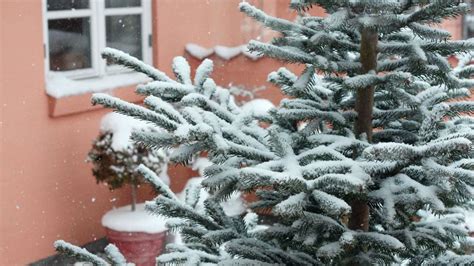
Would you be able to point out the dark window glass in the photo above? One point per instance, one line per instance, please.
(69, 44)
(122, 3)
(469, 22)
(67, 4)
(470, 28)
(125, 33)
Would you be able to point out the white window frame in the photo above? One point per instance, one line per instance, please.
(98, 13)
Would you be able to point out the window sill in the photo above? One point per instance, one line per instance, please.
(66, 97)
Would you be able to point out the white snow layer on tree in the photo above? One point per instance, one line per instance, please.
(60, 86)
(121, 126)
(199, 164)
(233, 206)
(224, 52)
(80, 252)
(250, 54)
(115, 256)
(469, 216)
(258, 107)
(123, 219)
(427, 216)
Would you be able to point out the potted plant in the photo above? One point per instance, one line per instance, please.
(140, 236)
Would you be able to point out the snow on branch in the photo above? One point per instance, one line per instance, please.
(175, 209)
(119, 57)
(277, 24)
(157, 183)
(80, 253)
(113, 253)
(133, 110)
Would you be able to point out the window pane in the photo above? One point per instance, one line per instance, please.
(125, 33)
(67, 4)
(69, 44)
(122, 3)
(469, 26)
(470, 31)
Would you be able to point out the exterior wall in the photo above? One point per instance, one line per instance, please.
(47, 192)
(177, 25)
(219, 26)
(454, 26)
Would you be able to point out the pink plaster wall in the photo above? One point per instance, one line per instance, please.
(220, 25)
(46, 190)
(454, 26)
(177, 24)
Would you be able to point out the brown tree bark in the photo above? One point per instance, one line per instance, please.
(134, 195)
(363, 125)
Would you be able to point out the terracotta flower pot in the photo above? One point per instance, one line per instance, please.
(139, 235)
(137, 247)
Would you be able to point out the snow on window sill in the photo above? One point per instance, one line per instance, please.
(59, 86)
(223, 52)
(67, 96)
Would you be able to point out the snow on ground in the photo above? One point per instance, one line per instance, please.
(59, 86)
(123, 219)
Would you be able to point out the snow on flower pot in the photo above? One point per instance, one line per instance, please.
(139, 235)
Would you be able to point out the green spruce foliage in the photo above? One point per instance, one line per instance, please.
(339, 190)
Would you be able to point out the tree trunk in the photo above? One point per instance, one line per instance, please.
(134, 196)
(365, 96)
(363, 125)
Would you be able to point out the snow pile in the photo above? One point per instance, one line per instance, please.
(60, 86)
(227, 53)
(198, 51)
(124, 220)
(121, 126)
(224, 52)
(259, 107)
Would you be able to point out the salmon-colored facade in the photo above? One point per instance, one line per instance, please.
(47, 191)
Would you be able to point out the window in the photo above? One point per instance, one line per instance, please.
(76, 31)
(469, 22)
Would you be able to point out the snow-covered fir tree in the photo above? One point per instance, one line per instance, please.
(375, 131)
